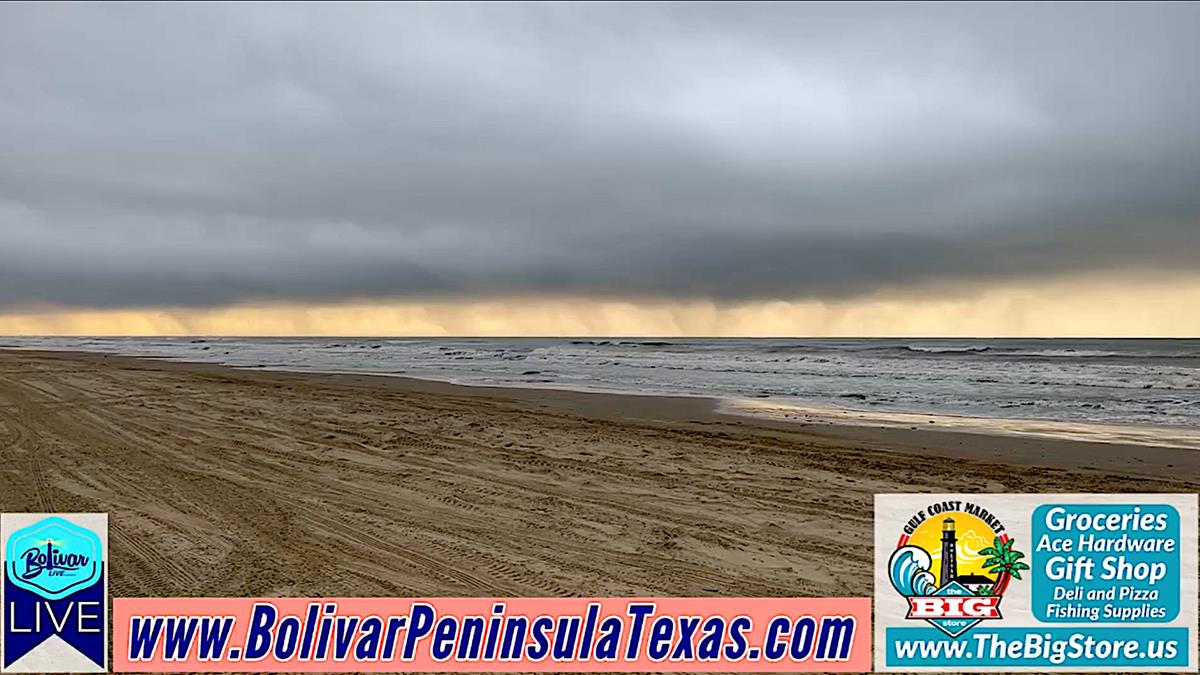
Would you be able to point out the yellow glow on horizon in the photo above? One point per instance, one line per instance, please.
(1052, 308)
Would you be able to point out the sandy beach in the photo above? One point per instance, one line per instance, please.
(224, 482)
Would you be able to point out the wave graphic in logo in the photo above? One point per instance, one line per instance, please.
(908, 569)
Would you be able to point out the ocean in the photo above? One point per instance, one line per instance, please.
(1134, 390)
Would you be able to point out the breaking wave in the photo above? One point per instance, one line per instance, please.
(908, 569)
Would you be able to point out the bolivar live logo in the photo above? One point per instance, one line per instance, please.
(974, 559)
(54, 593)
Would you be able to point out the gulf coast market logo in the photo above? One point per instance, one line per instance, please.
(953, 562)
(55, 601)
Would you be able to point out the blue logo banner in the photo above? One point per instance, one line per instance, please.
(54, 587)
(79, 620)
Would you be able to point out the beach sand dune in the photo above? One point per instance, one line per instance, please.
(223, 482)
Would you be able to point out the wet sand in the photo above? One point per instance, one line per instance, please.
(224, 482)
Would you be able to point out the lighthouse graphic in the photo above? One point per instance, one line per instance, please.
(949, 573)
(949, 553)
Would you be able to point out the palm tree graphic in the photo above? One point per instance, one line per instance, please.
(1002, 560)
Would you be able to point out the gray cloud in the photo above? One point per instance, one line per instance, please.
(209, 154)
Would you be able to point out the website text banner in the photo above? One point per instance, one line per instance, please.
(491, 634)
(1029, 582)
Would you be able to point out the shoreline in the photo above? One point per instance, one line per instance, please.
(1150, 437)
(224, 482)
(798, 406)
(709, 413)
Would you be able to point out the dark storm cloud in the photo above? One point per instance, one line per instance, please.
(209, 154)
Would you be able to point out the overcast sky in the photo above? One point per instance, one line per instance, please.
(209, 155)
